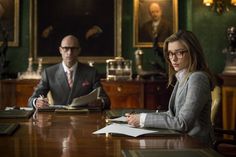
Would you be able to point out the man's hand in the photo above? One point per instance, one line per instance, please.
(93, 31)
(47, 31)
(41, 102)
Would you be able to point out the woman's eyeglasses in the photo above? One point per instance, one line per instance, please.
(179, 54)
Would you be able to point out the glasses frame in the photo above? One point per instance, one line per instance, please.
(67, 48)
(178, 54)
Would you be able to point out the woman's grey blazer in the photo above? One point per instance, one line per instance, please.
(189, 109)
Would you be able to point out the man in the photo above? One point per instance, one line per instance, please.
(157, 27)
(82, 80)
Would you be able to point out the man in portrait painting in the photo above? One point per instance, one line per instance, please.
(84, 18)
(157, 27)
(7, 20)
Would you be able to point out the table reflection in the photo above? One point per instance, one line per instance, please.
(52, 134)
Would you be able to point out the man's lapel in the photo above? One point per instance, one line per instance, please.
(77, 80)
(62, 80)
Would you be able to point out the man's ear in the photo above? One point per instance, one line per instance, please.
(60, 50)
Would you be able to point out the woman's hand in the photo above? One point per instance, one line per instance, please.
(133, 119)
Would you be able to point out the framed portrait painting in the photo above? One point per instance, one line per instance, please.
(94, 23)
(154, 21)
(9, 22)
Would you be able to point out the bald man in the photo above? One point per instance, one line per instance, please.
(84, 79)
(157, 27)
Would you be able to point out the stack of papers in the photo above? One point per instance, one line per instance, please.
(86, 99)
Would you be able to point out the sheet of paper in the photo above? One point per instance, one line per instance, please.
(124, 129)
(21, 108)
(84, 100)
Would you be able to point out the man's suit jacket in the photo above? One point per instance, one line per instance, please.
(54, 79)
(189, 109)
(164, 30)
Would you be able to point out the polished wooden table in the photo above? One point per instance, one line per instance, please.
(16, 92)
(57, 134)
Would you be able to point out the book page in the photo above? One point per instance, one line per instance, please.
(83, 100)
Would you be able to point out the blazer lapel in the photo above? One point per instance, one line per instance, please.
(182, 86)
(172, 98)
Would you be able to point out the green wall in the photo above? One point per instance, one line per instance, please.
(211, 30)
(207, 25)
(18, 56)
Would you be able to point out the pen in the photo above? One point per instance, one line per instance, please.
(42, 98)
(36, 109)
(45, 100)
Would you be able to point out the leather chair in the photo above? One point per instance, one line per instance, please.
(226, 147)
(145, 74)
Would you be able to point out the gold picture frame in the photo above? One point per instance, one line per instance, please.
(36, 52)
(9, 16)
(143, 35)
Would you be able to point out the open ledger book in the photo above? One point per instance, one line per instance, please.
(77, 103)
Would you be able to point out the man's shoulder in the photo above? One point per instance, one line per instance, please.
(53, 67)
(148, 23)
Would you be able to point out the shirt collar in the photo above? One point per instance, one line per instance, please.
(73, 68)
(156, 23)
(180, 74)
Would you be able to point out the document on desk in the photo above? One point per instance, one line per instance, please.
(123, 129)
(78, 104)
(84, 100)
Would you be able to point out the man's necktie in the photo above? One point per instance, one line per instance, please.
(69, 78)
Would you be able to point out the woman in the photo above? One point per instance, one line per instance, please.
(190, 103)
